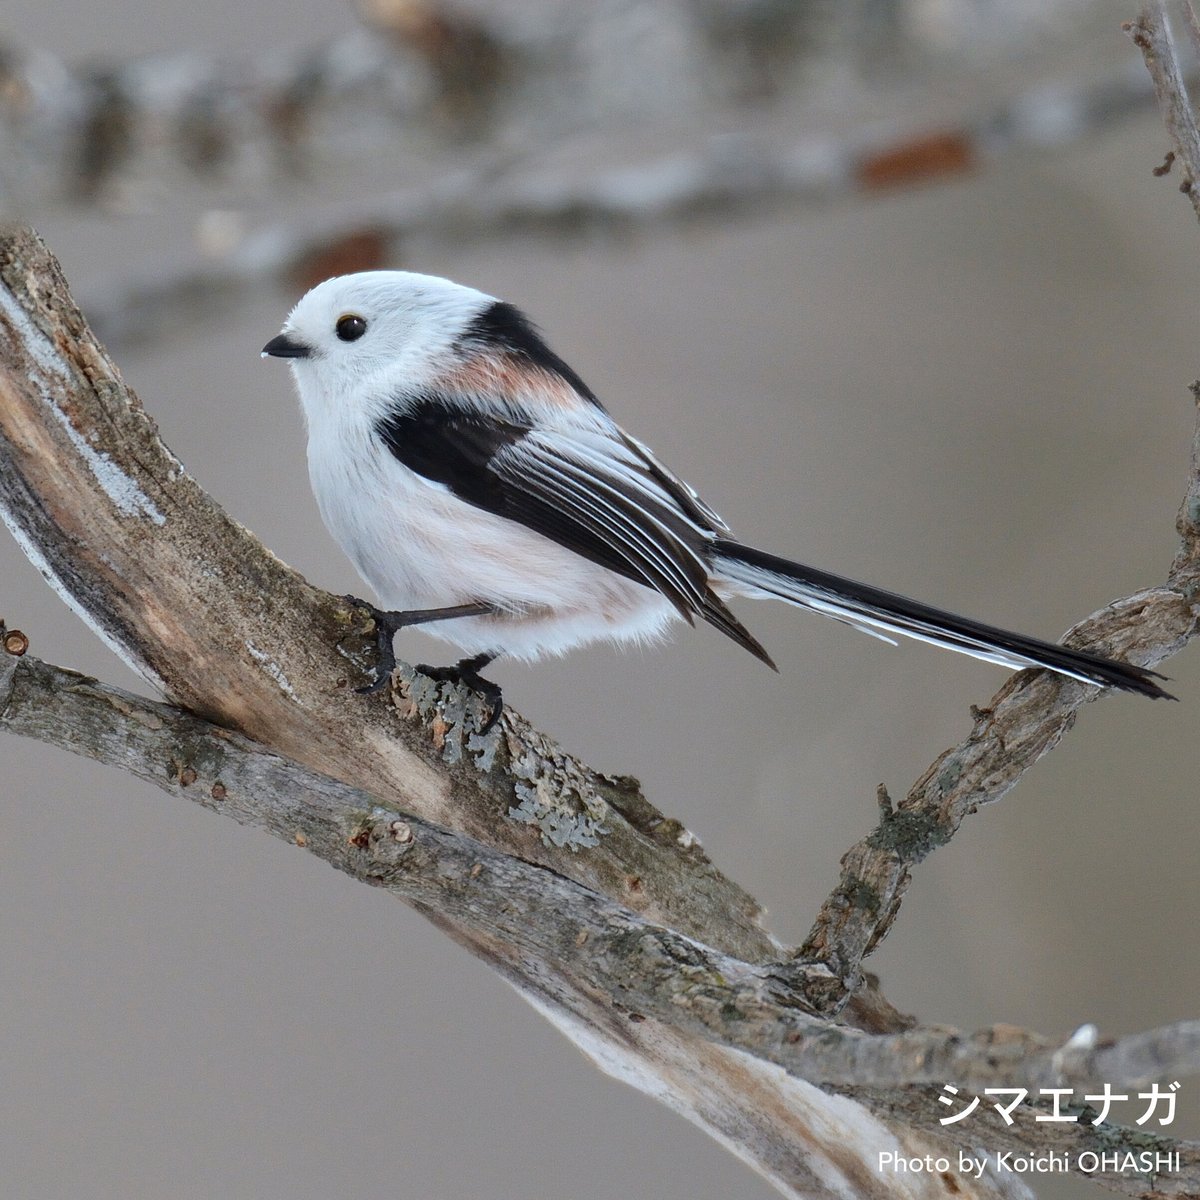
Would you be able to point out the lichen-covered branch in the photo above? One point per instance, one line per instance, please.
(196, 604)
(1025, 720)
(603, 912)
(512, 911)
(584, 957)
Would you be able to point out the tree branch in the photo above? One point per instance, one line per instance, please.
(195, 603)
(578, 953)
(418, 72)
(1024, 720)
(505, 100)
(714, 178)
(672, 987)
(423, 78)
(1031, 713)
(202, 609)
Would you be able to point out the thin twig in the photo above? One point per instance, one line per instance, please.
(1029, 715)
(1151, 33)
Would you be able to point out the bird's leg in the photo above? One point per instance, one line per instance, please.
(466, 671)
(388, 623)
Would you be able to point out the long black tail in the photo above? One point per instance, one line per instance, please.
(883, 613)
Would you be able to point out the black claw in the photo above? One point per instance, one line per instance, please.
(466, 672)
(386, 625)
(378, 683)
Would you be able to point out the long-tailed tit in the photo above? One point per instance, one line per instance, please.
(480, 488)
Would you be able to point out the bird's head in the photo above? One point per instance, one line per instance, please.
(373, 328)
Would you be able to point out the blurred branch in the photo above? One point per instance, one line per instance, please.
(1151, 33)
(417, 78)
(723, 176)
(424, 77)
(102, 132)
(718, 178)
(474, 117)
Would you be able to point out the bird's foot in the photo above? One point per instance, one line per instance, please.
(389, 622)
(386, 625)
(466, 672)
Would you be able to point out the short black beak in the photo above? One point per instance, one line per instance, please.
(285, 347)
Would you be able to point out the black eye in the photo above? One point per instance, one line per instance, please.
(350, 327)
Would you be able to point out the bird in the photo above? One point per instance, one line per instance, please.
(483, 492)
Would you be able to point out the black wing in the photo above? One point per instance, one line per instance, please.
(587, 488)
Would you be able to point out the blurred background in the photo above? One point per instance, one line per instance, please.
(892, 283)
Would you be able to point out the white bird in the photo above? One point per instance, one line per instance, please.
(482, 491)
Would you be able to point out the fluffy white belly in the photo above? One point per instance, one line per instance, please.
(418, 546)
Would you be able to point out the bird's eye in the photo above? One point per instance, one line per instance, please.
(350, 327)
